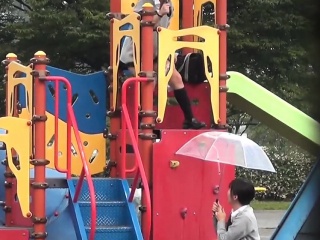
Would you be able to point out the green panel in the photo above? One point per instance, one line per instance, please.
(276, 113)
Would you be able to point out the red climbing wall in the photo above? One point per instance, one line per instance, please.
(188, 188)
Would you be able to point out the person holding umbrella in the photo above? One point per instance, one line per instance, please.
(242, 223)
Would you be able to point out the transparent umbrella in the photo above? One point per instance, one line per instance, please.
(227, 148)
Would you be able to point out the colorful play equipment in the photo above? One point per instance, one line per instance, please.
(55, 139)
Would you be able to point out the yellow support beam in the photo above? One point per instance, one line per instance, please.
(168, 45)
(127, 6)
(175, 21)
(134, 20)
(198, 13)
(17, 138)
(15, 71)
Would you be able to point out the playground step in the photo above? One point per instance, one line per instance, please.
(116, 217)
(106, 189)
(114, 233)
(108, 213)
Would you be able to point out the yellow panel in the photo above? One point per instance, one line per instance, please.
(197, 17)
(118, 34)
(13, 80)
(167, 47)
(127, 6)
(18, 137)
(96, 144)
(198, 4)
(175, 21)
(24, 113)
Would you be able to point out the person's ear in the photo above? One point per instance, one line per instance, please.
(235, 197)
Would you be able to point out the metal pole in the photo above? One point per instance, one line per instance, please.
(114, 114)
(222, 25)
(147, 113)
(39, 135)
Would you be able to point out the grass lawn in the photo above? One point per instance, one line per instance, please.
(270, 205)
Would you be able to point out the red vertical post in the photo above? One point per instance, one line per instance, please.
(7, 205)
(222, 25)
(114, 114)
(147, 113)
(187, 21)
(39, 118)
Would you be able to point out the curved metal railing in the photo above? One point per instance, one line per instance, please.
(72, 123)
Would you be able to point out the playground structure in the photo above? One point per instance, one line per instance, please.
(55, 128)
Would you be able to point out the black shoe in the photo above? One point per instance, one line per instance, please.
(193, 124)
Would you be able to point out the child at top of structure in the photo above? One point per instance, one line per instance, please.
(162, 19)
(242, 223)
(164, 13)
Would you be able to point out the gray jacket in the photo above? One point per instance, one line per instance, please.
(244, 227)
(126, 55)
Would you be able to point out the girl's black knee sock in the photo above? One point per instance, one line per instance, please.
(184, 102)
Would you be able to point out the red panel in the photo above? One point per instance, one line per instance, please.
(190, 187)
(16, 234)
(115, 6)
(173, 118)
(17, 218)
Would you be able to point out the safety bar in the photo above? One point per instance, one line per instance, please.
(133, 132)
(71, 122)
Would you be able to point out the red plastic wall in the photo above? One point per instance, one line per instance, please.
(189, 187)
(173, 119)
(14, 234)
(17, 218)
(200, 98)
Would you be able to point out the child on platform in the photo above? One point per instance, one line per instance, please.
(162, 18)
(242, 224)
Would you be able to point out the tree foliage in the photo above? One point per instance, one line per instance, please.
(74, 34)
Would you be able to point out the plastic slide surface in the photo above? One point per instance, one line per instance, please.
(274, 112)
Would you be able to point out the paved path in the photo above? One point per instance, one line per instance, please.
(268, 220)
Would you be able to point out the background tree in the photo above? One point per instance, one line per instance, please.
(74, 34)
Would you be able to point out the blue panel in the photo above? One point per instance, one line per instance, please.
(22, 95)
(2, 189)
(90, 115)
(301, 207)
(133, 213)
(95, 121)
(75, 214)
(124, 27)
(62, 226)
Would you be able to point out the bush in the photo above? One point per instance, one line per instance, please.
(292, 166)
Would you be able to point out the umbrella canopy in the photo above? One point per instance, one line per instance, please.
(227, 148)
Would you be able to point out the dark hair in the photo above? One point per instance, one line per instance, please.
(242, 188)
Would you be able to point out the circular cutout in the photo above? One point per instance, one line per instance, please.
(85, 143)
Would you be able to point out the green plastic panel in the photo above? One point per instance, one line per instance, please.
(274, 112)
